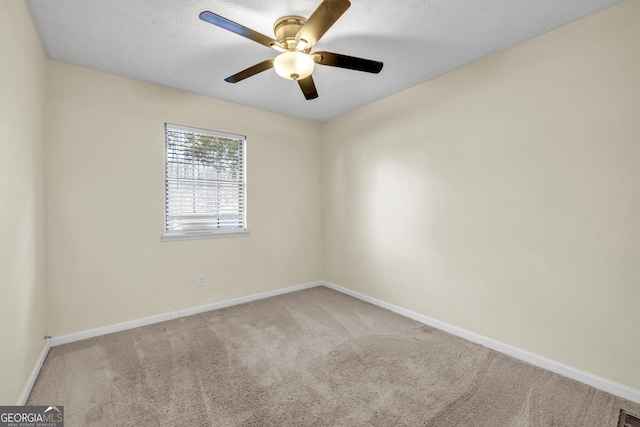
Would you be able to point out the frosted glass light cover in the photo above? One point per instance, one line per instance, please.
(294, 65)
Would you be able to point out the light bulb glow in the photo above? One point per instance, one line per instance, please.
(294, 65)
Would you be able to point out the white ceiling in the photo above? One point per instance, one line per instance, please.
(164, 42)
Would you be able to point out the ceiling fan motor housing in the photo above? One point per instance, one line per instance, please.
(286, 29)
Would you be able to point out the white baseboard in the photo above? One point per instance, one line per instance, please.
(22, 400)
(600, 383)
(90, 333)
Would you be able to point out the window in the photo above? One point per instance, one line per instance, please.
(204, 184)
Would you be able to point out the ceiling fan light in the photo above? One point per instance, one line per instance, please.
(294, 65)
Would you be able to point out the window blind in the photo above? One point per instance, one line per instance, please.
(205, 181)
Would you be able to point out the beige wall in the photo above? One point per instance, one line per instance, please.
(106, 199)
(504, 197)
(22, 199)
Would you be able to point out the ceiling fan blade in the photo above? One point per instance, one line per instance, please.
(241, 30)
(320, 21)
(251, 71)
(308, 88)
(350, 62)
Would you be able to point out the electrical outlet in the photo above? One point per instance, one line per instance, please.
(202, 280)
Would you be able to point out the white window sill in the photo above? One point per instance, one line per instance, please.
(200, 236)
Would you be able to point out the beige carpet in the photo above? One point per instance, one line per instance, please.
(310, 358)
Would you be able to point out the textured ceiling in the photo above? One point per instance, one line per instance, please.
(164, 42)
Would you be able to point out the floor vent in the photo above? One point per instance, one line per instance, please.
(628, 420)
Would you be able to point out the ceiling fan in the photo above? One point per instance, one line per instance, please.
(295, 36)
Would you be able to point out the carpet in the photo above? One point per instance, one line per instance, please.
(309, 358)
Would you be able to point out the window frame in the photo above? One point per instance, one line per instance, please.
(221, 233)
